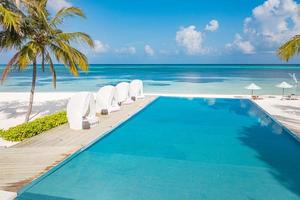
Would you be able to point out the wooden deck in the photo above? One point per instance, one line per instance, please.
(27, 160)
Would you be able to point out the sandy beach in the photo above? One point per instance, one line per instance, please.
(13, 108)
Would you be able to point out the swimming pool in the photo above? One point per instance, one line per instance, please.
(179, 148)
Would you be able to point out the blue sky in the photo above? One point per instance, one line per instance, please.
(184, 31)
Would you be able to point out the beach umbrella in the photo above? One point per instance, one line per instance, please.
(284, 85)
(253, 87)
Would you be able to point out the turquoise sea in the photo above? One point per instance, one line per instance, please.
(188, 79)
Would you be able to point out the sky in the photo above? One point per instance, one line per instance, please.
(183, 31)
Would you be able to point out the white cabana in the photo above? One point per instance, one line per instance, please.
(106, 100)
(136, 89)
(284, 85)
(81, 111)
(123, 93)
(253, 87)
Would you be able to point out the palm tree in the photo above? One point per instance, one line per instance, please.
(290, 48)
(36, 36)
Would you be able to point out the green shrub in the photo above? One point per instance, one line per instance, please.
(30, 129)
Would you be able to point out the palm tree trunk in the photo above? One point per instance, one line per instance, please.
(31, 92)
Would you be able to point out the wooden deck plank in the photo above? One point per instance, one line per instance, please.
(27, 160)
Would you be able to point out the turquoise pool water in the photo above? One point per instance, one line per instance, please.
(183, 149)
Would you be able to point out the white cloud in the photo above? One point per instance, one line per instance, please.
(190, 39)
(126, 50)
(56, 5)
(149, 50)
(274, 21)
(212, 26)
(245, 46)
(100, 47)
(271, 24)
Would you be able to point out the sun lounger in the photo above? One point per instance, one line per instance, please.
(81, 111)
(291, 97)
(123, 93)
(256, 97)
(106, 100)
(136, 89)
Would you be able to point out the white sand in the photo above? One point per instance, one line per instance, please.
(13, 107)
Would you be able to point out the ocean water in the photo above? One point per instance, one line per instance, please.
(183, 149)
(188, 79)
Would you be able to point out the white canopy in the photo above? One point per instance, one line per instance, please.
(253, 86)
(136, 89)
(81, 106)
(284, 85)
(106, 99)
(123, 93)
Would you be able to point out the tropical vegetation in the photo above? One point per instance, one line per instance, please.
(35, 127)
(290, 48)
(34, 35)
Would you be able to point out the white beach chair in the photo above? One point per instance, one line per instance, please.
(136, 89)
(123, 93)
(81, 111)
(106, 100)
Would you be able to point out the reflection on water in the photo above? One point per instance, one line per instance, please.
(248, 109)
(278, 151)
(210, 101)
(271, 142)
(188, 79)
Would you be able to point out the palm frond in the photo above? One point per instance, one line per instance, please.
(79, 58)
(76, 36)
(27, 55)
(10, 39)
(71, 57)
(63, 56)
(9, 19)
(290, 48)
(66, 12)
(9, 66)
(43, 37)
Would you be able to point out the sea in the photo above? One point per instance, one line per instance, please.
(169, 79)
